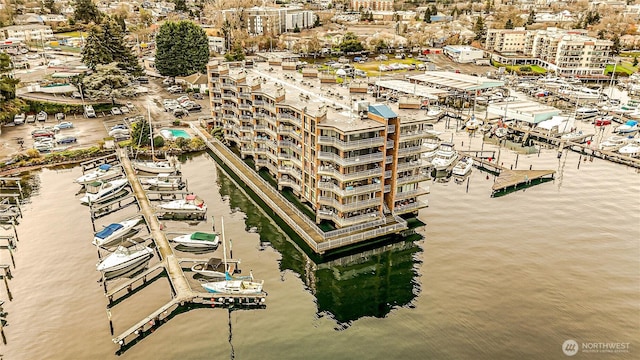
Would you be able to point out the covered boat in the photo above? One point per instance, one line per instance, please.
(198, 240)
(165, 181)
(191, 203)
(628, 127)
(463, 166)
(103, 172)
(125, 258)
(631, 149)
(215, 267)
(100, 190)
(114, 232)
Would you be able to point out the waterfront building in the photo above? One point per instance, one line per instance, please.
(567, 52)
(350, 165)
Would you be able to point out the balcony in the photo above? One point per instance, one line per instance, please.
(354, 160)
(246, 151)
(412, 179)
(258, 103)
(246, 117)
(410, 135)
(248, 129)
(290, 170)
(289, 118)
(408, 207)
(260, 150)
(412, 165)
(347, 221)
(261, 162)
(229, 117)
(228, 107)
(289, 183)
(349, 145)
(349, 190)
(390, 144)
(244, 106)
(330, 171)
(391, 129)
(411, 150)
(411, 193)
(244, 95)
(325, 200)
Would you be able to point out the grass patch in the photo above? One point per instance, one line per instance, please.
(630, 54)
(538, 70)
(371, 67)
(625, 68)
(73, 34)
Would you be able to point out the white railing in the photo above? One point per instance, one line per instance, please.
(355, 144)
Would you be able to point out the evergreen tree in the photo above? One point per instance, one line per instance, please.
(635, 61)
(108, 82)
(51, 6)
(350, 43)
(532, 17)
(181, 5)
(105, 45)
(479, 29)
(509, 24)
(427, 16)
(182, 48)
(86, 11)
(616, 47)
(7, 82)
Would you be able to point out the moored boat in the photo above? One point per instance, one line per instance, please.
(198, 240)
(156, 167)
(631, 149)
(103, 172)
(445, 156)
(165, 181)
(114, 232)
(231, 286)
(463, 166)
(613, 143)
(125, 257)
(473, 124)
(215, 267)
(628, 127)
(191, 203)
(99, 191)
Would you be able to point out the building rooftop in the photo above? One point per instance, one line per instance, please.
(406, 87)
(457, 81)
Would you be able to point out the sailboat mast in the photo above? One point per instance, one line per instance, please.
(224, 246)
(153, 153)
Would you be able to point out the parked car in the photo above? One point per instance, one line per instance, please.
(175, 89)
(192, 107)
(38, 133)
(124, 109)
(31, 118)
(198, 96)
(63, 125)
(67, 140)
(180, 112)
(183, 98)
(116, 111)
(168, 81)
(89, 112)
(143, 80)
(18, 119)
(42, 116)
(76, 95)
(119, 132)
(60, 116)
(130, 105)
(119, 126)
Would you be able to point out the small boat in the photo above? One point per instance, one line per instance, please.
(571, 136)
(124, 258)
(613, 143)
(191, 203)
(99, 191)
(114, 232)
(231, 286)
(198, 240)
(463, 166)
(215, 267)
(156, 167)
(103, 172)
(628, 127)
(586, 113)
(501, 132)
(445, 156)
(473, 124)
(435, 111)
(631, 149)
(165, 181)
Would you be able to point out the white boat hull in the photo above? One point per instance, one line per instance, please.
(108, 193)
(98, 175)
(124, 258)
(185, 240)
(127, 225)
(154, 167)
(239, 287)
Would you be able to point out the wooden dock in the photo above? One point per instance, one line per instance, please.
(514, 178)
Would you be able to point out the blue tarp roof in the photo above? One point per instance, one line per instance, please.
(382, 110)
(110, 229)
(105, 167)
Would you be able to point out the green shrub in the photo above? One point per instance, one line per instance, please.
(158, 141)
(176, 122)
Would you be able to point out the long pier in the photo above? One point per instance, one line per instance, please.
(170, 264)
(318, 240)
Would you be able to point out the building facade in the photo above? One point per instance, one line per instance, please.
(26, 33)
(352, 166)
(271, 20)
(567, 52)
(374, 5)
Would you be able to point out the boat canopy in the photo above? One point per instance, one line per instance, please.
(104, 167)
(108, 230)
(203, 236)
(631, 123)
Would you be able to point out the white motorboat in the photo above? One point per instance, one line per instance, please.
(435, 111)
(473, 124)
(232, 286)
(572, 136)
(191, 203)
(501, 132)
(156, 167)
(165, 181)
(613, 143)
(445, 156)
(198, 240)
(114, 232)
(215, 267)
(631, 149)
(463, 166)
(125, 257)
(628, 127)
(103, 172)
(99, 191)
(586, 113)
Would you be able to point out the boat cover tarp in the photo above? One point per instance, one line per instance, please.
(105, 167)
(631, 123)
(203, 236)
(108, 230)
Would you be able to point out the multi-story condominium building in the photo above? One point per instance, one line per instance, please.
(27, 33)
(351, 166)
(375, 5)
(271, 20)
(567, 52)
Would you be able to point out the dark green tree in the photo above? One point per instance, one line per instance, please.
(105, 44)
(236, 53)
(316, 22)
(350, 43)
(532, 17)
(478, 29)
(616, 47)
(51, 6)
(7, 82)
(296, 29)
(108, 82)
(181, 5)
(119, 19)
(508, 24)
(635, 61)
(86, 11)
(182, 48)
(381, 45)
(601, 34)
(140, 133)
(427, 16)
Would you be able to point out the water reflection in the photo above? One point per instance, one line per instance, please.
(347, 286)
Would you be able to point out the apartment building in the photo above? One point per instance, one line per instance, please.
(567, 52)
(374, 5)
(26, 33)
(352, 166)
(261, 20)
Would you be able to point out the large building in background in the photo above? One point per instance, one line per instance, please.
(352, 166)
(262, 20)
(373, 5)
(567, 52)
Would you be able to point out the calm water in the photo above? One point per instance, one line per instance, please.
(510, 277)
